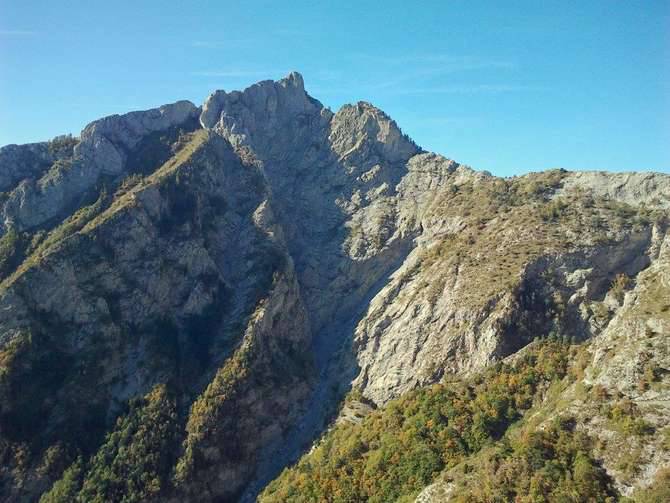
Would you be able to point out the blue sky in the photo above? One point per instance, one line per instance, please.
(509, 87)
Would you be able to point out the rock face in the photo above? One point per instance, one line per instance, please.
(629, 362)
(43, 181)
(625, 370)
(126, 131)
(18, 162)
(632, 188)
(255, 258)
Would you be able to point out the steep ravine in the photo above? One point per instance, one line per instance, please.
(336, 370)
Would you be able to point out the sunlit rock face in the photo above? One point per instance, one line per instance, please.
(225, 274)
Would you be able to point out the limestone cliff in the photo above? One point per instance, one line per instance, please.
(227, 273)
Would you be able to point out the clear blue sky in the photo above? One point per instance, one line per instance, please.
(509, 87)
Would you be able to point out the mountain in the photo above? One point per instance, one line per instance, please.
(194, 299)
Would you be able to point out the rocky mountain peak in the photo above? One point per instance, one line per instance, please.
(128, 129)
(279, 119)
(262, 111)
(221, 276)
(364, 124)
(293, 79)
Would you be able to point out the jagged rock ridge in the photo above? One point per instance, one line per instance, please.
(259, 255)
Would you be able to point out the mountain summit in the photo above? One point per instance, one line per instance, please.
(192, 296)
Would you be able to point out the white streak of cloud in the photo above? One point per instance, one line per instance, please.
(467, 89)
(396, 88)
(230, 73)
(213, 44)
(433, 64)
(16, 33)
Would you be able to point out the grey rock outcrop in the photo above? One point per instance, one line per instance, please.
(280, 253)
(125, 131)
(18, 162)
(651, 189)
(630, 359)
(258, 115)
(40, 194)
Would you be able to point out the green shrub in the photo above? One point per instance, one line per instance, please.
(67, 488)
(553, 210)
(62, 145)
(624, 417)
(398, 450)
(13, 248)
(134, 462)
(552, 464)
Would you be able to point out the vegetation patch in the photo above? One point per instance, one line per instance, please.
(134, 462)
(548, 465)
(396, 451)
